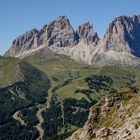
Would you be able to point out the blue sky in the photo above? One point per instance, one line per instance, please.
(19, 16)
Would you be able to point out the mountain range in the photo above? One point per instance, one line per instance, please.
(119, 46)
(58, 83)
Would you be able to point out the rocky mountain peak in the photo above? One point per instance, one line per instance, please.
(60, 33)
(123, 35)
(25, 42)
(62, 22)
(87, 33)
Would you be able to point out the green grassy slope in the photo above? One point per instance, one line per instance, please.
(28, 87)
(70, 88)
(58, 89)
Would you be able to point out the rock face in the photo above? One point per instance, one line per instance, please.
(115, 117)
(123, 35)
(58, 33)
(119, 46)
(87, 34)
(27, 41)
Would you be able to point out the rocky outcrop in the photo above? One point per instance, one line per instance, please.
(115, 117)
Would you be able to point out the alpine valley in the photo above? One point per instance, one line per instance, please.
(58, 83)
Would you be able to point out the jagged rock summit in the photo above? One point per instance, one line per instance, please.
(123, 35)
(59, 33)
(119, 46)
(86, 33)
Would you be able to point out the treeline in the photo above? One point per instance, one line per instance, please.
(53, 120)
(100, 82)
(61, 116)
(14, 131)
(29, 116)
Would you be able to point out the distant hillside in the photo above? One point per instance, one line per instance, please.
(52, 96)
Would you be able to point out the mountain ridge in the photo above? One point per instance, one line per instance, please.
(119, 46)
